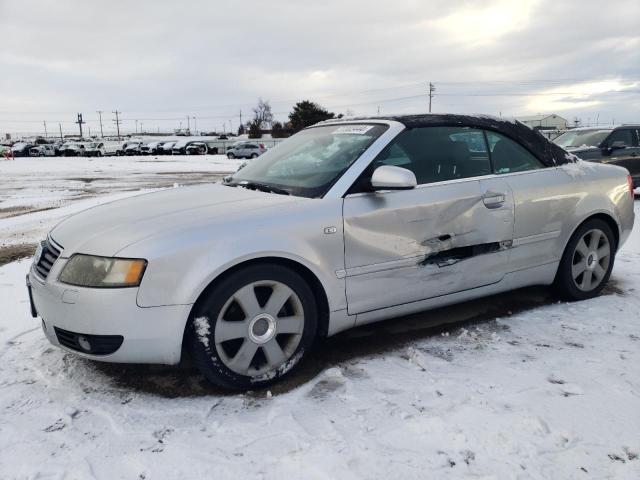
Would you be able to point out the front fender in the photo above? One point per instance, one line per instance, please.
(182, 264)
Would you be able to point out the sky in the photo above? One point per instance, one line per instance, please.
(163, 63)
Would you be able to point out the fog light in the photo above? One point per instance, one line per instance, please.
(84, 343)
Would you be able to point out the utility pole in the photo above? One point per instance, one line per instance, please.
(45, 129)
(188, 124)
(140, 128)
(240, 119)
(136, 127)
(432, 88)
(80, 122)
(117, 122)
(60, 127)
(100, 115)
(195, 125)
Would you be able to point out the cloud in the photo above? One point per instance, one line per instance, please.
(165, 60)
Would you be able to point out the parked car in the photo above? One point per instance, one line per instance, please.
(618, 146)
(43, 150)
(101, 149)
(246, 150)
(151, 148)
(72, 149)
(21, 149)
(180, 147)
(167, 148)
(345, 223)
(133, 148)
(196, 148)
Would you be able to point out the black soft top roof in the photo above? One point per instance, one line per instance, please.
(548, 152)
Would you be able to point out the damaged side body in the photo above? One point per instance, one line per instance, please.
(407, 246)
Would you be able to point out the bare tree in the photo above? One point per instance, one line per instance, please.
(262, 115)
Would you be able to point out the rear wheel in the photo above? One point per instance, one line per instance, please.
(231, 155)
(254, 327)
(254, 155)
(587, 262)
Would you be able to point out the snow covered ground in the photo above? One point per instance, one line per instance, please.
(521, 387)
(69, 184)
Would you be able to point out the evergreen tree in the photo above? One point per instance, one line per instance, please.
(307, 113)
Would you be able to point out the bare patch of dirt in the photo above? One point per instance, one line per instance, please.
(22, 210)
(11, 253)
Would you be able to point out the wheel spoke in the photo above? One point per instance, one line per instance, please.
(242, 360)
(290, 324)
(598, 272)
(226, 330)
(582, 248)
(246, 298)
(603, 251)
(279, 296)
(578, 268)
(586, 280)
(273, 352)
(594, 240)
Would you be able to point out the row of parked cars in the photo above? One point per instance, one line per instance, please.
(239, 149)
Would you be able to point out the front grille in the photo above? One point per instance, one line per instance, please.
(50, 253)
(93, 344)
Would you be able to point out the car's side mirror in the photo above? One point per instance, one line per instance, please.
(389, 177)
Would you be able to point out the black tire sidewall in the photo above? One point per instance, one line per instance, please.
(206, 358)
(564, 280)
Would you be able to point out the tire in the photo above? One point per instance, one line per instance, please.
(231, 156)
(587, 261)
(256, 352)
(254, 155)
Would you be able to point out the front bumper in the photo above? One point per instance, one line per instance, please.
(150, 334)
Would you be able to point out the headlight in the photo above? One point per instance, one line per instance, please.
(102, 272)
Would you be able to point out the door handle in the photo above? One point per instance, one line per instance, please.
(493, 199)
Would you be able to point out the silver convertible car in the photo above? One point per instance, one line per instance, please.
(345, 223)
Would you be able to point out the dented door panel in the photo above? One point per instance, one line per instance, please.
(410, 245)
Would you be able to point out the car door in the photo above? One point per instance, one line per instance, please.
(621, 148)
(450, 233)
(544, 198)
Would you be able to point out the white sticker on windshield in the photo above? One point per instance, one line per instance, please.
(352, 129)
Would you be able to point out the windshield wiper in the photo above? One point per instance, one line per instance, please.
(263, 187)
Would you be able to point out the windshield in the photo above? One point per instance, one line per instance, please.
(580, 138)
(311, 161)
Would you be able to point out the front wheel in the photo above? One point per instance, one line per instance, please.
(253, 327)
(231, 156)
(587, 262)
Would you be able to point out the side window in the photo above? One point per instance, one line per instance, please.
(622, 135)
(437, 154)
(509, 156)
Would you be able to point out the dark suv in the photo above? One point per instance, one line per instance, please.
(617, 145)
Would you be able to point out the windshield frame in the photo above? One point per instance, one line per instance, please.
(336, 188)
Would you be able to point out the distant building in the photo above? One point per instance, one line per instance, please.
(545, 122)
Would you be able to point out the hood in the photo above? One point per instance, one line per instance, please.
(108, 228)
(582, 148)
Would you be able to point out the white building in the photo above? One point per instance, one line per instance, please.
(545, 122)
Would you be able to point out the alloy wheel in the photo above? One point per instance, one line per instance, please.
(591, 260)
(259, 328)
